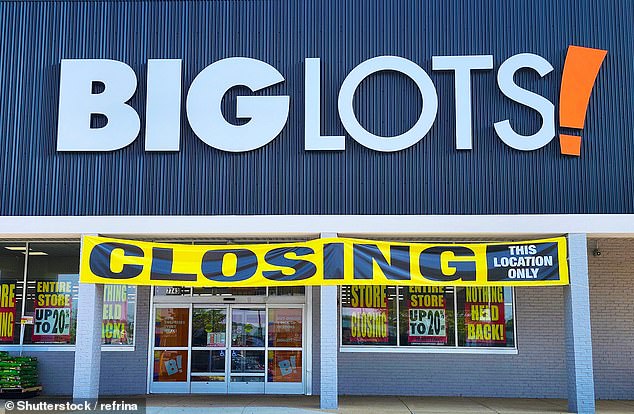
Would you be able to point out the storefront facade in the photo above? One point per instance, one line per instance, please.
(238, 123)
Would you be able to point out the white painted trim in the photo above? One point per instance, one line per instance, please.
(38, 348)
(24, 288)
(308, 340)
(134, 342)
(416, 350)
(62, 348)
(150, 360)
(66, 226)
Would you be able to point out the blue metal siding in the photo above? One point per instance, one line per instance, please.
(432, 177)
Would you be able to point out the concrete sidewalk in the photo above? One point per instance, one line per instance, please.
(268, 404)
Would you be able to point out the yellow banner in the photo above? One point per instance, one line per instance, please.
(334, 261)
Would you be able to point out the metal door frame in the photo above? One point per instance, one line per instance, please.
(263, 302)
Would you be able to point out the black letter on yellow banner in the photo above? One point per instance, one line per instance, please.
(365, 254)
(246, 266)
(101, 255)
(303, 269)
(333, 261)
(162, 260)
(431, 265)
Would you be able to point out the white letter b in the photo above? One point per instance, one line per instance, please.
(77, 104)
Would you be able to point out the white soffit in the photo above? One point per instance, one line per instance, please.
(312, 225)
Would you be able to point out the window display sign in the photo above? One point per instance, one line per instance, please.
(368, 314)
(427, 310)
(216, 338)
(484, 316)
(53, 310)
(7, 311)
(285, 327)
(285, 366)
(115, 315)
(438, 317)
(171, 327)
(170, 366)
(349, 262)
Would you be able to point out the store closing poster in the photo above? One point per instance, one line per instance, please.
(368, 314)
(7, 311)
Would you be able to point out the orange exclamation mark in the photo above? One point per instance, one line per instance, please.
(580, 71)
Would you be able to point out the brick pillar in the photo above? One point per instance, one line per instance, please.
(88, 342)
(328, 400)
(578, 331)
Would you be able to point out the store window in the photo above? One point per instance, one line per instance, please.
(49, 294)
(427, 316)
(52, 288)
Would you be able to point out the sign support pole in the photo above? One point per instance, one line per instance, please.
(328, 399)
(578, 338)
(88, 342)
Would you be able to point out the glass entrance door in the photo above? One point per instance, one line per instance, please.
(171, 349)
(228, 349)
(285, 350)
(248, 350)
(237, 348)
(209, 350)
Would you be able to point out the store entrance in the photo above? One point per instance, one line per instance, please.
(237, 348)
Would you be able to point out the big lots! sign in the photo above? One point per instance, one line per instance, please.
(268, 115)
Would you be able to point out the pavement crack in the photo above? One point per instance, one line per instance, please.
(247, 406)
(406, 406)
(486, 406)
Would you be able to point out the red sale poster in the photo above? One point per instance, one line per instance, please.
(484, 315)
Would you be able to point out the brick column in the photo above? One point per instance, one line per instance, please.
(578, 331)
(328, 400)
(88, 342)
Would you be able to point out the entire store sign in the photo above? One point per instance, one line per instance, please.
(53, 310)
(427, 307)
(333, 261)
(268, 115)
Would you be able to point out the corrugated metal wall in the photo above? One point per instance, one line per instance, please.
(431, 177)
